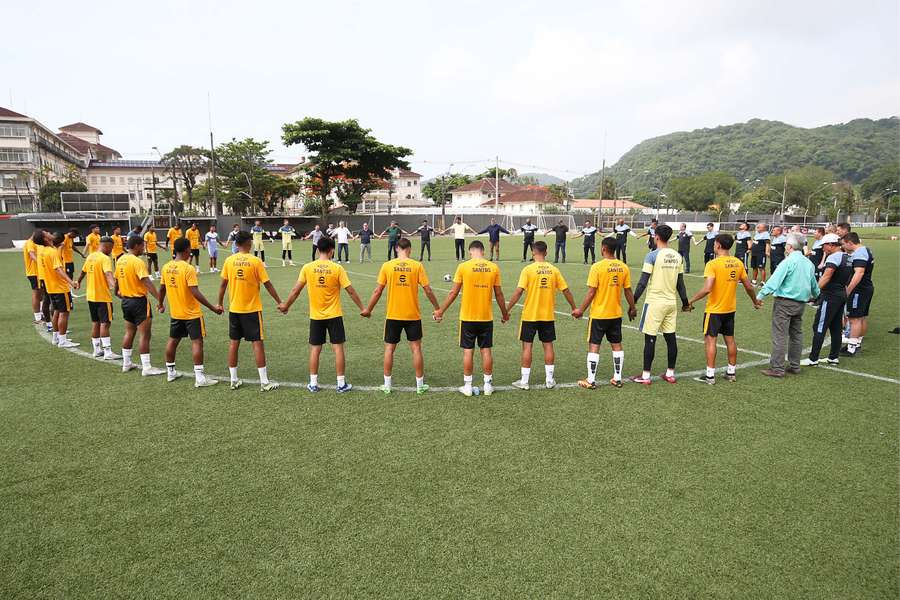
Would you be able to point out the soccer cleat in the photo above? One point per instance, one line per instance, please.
(488, 389)
(128, 367)
(236, 384)
(809, 363)
(518, 383)
(173, 377)
(68, 344)
(385, 390)
(588, 385)
(730, 377)
(641, 379)
(421, 390)
(831, 361)
(465, 390)
(344, 388)
(705, 379)
(268, 387)
(550, 384)
(617, 383)
(291, 263)
(205, 382)
(110, 356)
(98, 353)
(667, 378)
(846, 351)
(312, 388)
(152, 371)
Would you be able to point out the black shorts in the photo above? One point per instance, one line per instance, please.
(61, 302)
(472, 332)
(757, 262)
(393, 328)
(32, 279)
(195, 252)
(859, 301)
(192, 328)
(715, 324)
(611, 329)
(101, 312)
(545, 330)
(136, 310)
(70, 269)
(334, 328)
(151, 257)
(246, 326)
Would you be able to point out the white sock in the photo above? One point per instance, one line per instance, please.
(198, 373)
(126, 356)
(145, 361)
(710, 372)
(95, 342)
(420, 381)
(170, 369)
(387, 380)
(341, 380)
(62, 338)
(263, 375)
(488, 379)
(592, 360)
(38, 316)
(55, 337)
(314, 379)
(548, 372)
(526, 373)
(730, 369)
(467, 381)
(645, 374)
(232, 371)
(106, 343)
(618, 360)
(670, 372)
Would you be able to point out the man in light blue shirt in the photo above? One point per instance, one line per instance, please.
(793, 284)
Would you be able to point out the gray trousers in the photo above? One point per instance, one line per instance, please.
(363, 250)
(787, 333)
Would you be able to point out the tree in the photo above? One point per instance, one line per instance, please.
(700, 192)
(559, 192)
(807, 187)
(243, 174)
(507, 174)
(882, 185)
(525, 180)
(276, 191)
(49, 193)
(342, 153)
(186, 163)
(609, 189)
(438, 189)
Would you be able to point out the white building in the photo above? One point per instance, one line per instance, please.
(402, 190)
(477, 193)
(532, 200)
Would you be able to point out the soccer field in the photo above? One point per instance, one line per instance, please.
(115, 485)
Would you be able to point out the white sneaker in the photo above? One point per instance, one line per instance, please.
(150, 372)
(268, 387)
(173, 377)
(518, 383)
(111, 356)
(128, 367)
(809, 363)
(488, 389)
(68, 344)
(550, 384)
(98, 353)
(831, 361)
(465, 390)
(291, 263)
(845, 340)
(237, 383)
(205, 382)
(283, 264)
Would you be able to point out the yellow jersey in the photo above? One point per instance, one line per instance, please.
(67, 249)
(130, 271)
(609, 277)
(118, 245)
(540, 281)
(150, 242)
(41, 250)
(178, 277)
(324, 281)
(726, 272)
(91, 243)
(664, 266)
(402, 278)
(478, 278)
(31, 264)
(96, 266)
(244, 274)
(172, 235)
(53, 281)
(193, 236)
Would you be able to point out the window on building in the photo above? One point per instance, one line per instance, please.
(408, 183)
(103, 180)
(94, 179)
(131, 180)
(121, 181)
(13, 155)
(8, 130)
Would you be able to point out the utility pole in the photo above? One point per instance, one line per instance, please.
(600, 204)
(212, 159)
(497, 185)
(783, 196)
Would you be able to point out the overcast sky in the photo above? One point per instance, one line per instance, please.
(549, 84)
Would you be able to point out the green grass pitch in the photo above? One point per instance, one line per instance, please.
(118, 486)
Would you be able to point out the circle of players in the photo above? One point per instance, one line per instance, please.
(114, 265)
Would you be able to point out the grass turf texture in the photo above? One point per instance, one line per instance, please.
(117, 485)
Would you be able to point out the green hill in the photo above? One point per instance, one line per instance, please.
(755, 149)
